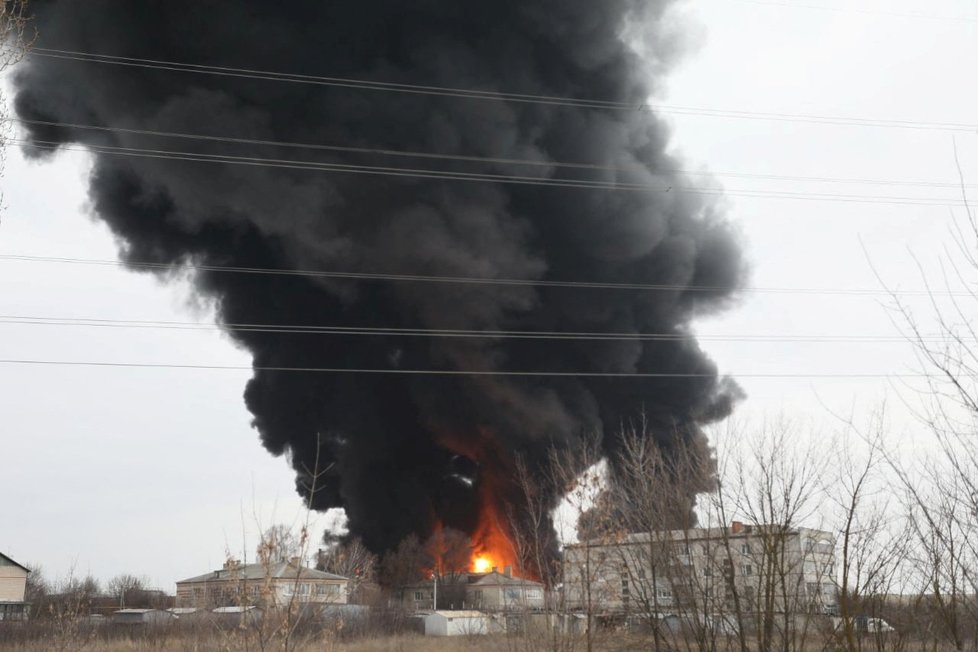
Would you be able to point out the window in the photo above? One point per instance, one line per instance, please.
(708, 572)
(745, 548)
(746, 569)
(418, 595)
(641, 573)
(624, 587)
(477, 594)
(665, 592)
(814, 588)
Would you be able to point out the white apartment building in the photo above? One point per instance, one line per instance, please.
(704, 571)
(13, 586)
(274, 584)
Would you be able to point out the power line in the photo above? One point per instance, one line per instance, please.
(419, 278)
(452, 372)
(500, 96)
(857, 10)
(422, 173)
(481, 159)
(457, 333)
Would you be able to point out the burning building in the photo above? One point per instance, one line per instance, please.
(449, 233)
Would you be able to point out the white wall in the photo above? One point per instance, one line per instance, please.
(13, 583)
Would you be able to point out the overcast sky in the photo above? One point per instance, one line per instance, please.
(157, 472)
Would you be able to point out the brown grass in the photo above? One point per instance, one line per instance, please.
(186, 642)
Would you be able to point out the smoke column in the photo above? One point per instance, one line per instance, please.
(404, 453)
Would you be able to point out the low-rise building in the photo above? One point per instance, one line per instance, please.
(275, 584)
(142, 617)
(459, 623)
(492, 591)
(497, 591)
(13, 589)
(704, 571)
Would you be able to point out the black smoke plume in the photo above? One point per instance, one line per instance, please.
(403, 453)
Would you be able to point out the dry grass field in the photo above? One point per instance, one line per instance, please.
(238, 642)
(192, 643)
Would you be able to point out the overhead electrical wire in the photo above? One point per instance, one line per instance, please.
(479, 159)
(455, 372)
(454, 333)
(502, 96)
(468, 94)
(448, 175)
(858, 10)
(422, 278)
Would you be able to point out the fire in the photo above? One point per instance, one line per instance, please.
(492, 540)
(481, 564)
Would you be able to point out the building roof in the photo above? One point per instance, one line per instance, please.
(500, 579)
(7, 561)
(278, 570)
(236, 610)
(699, 534)
(458, 614)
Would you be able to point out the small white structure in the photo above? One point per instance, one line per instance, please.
(458, 623)
(141, 617)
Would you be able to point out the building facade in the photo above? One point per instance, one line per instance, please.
(503, 592)
(272, 585)
(493, 591)
(704, 571)
(13, 589)
(460, 623)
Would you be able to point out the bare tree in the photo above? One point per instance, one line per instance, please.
(772, 479)
(588, 570)
(37, 585)
(941, 485)
(653, 492)
(872, 540)
(280, 543)
(350, 559)
(16, 39)
(405, 564)
(129, 590)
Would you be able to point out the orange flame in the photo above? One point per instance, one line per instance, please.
(492, 540)
(481, 564)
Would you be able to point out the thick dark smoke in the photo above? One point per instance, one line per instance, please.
(388, 443)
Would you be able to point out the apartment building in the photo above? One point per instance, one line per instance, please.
(704, 570)
(274, 584)
(497, 591)
(13, 587)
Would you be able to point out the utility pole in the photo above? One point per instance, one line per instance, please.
(434, 579)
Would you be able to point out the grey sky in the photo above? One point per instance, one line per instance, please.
(157, 472)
